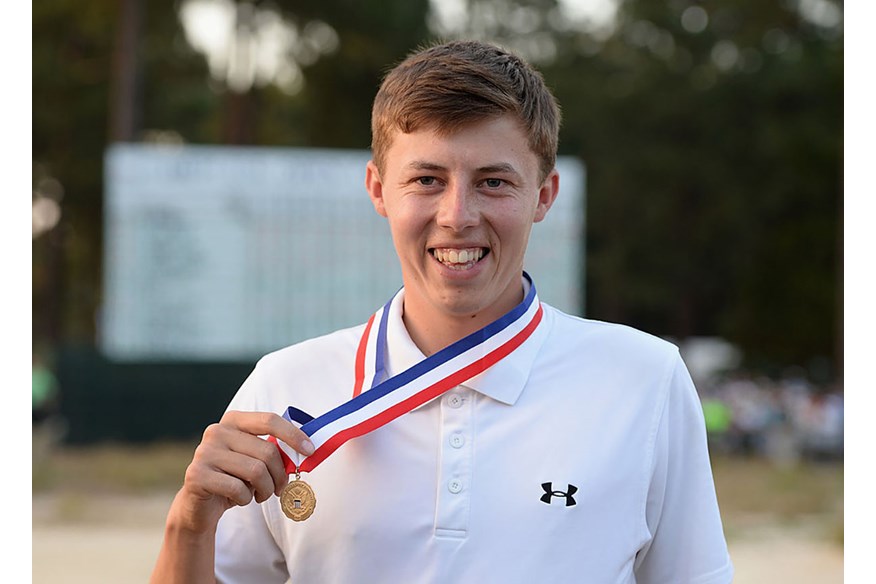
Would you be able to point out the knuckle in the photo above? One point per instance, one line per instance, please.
(194, 474)
(203, 454)
(268, 450)
(229, 416)
(198, 454)
(241, 494)
(191, 474)
(262, 496)
(266, 419)
(255, 468)
(211, 432)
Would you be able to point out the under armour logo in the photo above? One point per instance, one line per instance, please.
(549, 493)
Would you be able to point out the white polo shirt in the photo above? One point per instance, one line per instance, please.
(581, 457)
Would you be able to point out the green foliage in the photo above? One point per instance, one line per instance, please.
(714, 155)
(71, 71)
(713, 193)
(340, 87)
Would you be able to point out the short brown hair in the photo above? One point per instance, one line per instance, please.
(450, 85)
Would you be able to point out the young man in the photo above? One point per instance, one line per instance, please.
(467, 432)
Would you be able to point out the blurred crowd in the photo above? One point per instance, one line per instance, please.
(785, 420)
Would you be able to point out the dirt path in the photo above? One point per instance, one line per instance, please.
(115, 540)
(786, 556)
(112, 540)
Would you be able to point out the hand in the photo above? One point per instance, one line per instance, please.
(232, 465)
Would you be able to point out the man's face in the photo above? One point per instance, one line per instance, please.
(460, 208)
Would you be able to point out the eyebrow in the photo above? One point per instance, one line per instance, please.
(499, 167)
(423, 165)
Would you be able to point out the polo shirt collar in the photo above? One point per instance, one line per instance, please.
(503, 382)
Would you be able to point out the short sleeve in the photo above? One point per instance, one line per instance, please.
(687, 544)
(246, 550)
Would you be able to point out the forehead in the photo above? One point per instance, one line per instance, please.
(492, 142)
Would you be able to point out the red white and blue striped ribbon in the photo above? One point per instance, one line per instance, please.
(388, 399)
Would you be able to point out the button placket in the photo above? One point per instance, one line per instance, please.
(454, 400)
(451, 517)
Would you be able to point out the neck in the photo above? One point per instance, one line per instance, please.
(432, 329)
(432, 337)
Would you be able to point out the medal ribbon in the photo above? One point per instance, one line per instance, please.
(387, 400)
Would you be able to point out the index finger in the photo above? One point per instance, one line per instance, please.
(261, 423)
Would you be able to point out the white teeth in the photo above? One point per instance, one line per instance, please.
(458, 257)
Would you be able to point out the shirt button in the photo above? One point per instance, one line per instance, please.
(454, 400)
(454, 486)
(457, 440)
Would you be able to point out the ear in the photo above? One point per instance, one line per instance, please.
(375, 188)
(547, 194)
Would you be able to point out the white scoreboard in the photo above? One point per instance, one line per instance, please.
(226, 253)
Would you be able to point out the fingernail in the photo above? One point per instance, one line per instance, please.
(307, 447)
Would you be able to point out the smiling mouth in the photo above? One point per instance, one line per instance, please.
(459, 259)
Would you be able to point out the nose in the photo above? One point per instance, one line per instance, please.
(458, 208)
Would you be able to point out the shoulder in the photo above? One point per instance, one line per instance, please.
(314, 375)
(312, 353)
(607, 342)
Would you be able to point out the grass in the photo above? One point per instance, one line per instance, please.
(752, 493)
(112, 468)
(754, 486)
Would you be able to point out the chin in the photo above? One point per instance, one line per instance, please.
(461, 307)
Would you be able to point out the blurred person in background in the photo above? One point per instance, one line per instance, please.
(47, 426)
(823, 426)
(719, 421)
(785, 420)
(496, 438)
(45, 390)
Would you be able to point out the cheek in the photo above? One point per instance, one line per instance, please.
(405, 226)
(408, 215)
(513, 234)
(515, 221)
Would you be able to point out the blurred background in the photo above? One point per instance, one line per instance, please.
(711, 133)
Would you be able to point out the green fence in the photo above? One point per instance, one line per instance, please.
(103, 401)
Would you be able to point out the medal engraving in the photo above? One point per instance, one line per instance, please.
(298, 500)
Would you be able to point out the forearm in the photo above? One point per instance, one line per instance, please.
(232, 466)
(187, 556)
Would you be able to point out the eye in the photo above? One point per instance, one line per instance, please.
(493, 183)
(426, 181)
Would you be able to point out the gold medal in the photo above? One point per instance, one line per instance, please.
(298, 500)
